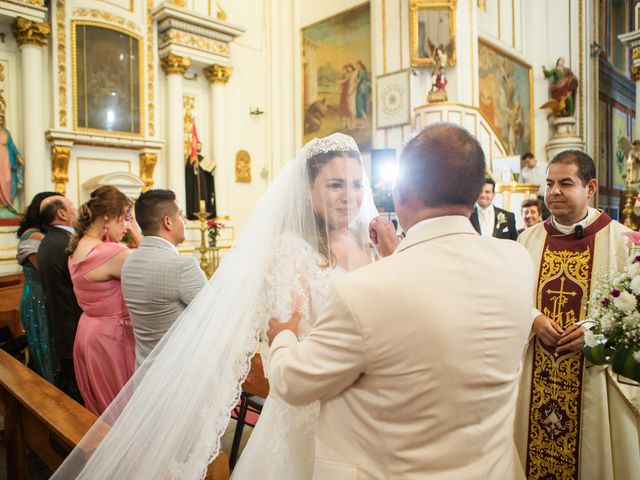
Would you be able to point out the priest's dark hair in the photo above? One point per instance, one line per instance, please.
(152, 206)
(586, 165)
(443, 165)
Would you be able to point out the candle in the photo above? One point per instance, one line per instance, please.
(202, 209)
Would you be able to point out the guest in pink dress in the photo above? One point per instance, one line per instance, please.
(103, 352)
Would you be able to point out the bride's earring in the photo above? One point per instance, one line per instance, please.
(105, 232)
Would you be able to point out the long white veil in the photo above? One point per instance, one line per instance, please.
(168, 420)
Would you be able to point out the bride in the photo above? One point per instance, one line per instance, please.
(311, 224)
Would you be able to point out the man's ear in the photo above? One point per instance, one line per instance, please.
(62, 214)
(592, 187)
(166, 223)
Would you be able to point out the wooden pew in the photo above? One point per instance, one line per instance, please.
(10, 292)
(40, 418)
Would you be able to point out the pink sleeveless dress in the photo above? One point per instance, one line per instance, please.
(103, 351)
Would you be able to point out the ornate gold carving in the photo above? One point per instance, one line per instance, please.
(39, 3)
(635, 53)
(3, 101)
(172, 64)
(196, 41)
(220, 14)
(635, 73)
(415, 7)
(150, 67)
(243, 167)
(28, 32)
(482, 5)
(147, 164)
(109, 17)
(217, 73)
(178, 3)
(61, 35)
(60, 167)
(189, 104)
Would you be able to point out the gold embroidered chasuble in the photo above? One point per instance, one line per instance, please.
(569, 412)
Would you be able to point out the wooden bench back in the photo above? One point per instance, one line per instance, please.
(256, 383)
(10, 292)
(43, 419)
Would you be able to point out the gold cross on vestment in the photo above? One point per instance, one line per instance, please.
(559, 301)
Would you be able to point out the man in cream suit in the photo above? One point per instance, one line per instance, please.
(415, 358)
(157, 282)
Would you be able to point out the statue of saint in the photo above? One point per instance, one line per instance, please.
(564, 85)
(199, 185)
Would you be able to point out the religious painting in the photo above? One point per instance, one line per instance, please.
(506, 97)
(432, 26)
(619, 131)
(393, 99)
(336, 59)
(619, 25)
(107, 79)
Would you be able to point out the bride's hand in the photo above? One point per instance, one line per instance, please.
(275, 327)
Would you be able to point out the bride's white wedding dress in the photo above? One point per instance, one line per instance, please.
(282, 443)
(167, 422)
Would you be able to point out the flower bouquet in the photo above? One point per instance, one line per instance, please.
(615, 310)
(214, 227)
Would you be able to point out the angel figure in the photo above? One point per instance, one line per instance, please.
(440, 56)
(631, 152)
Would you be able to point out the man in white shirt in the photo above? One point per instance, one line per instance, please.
(490, 221)
(534, 173)
(157, 282)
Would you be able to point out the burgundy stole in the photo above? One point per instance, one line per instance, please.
(555, 409)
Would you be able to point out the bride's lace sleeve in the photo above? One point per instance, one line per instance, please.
(287, 281)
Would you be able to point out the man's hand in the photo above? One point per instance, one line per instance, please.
(275, 327)
(548, 331)
(383, 234)
(572, 339)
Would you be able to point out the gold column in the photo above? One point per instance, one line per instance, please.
(172, 63)
(28, 32)
(147, 164)
(60, 167)
(217, 73)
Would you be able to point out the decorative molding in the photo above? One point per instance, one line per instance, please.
(28, 32)
(102, 138)
(220, 14)
(147, 165)
(178, 3)
(635, 73)
(217, 73)
(39, 3)
(189, 104)
(109, 17)
(60, 167)
(174, 64)
(150, 68)
(635, 53)
(208, 45)
(61, 35)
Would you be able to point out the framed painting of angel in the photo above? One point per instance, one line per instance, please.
(432, 26)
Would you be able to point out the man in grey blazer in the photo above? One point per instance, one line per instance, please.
(157, 282)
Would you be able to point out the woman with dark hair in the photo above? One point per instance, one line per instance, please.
(33, 313)
(103, 351)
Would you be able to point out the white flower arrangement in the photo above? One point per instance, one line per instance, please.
(614, 308)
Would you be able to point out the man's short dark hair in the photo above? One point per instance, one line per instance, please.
(532, 202)
(151, 208)
(526, 156)
(490, 181)
(49, 213)
(585, 164)
(443, 165)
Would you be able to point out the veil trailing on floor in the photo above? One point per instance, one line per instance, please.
(168, 420)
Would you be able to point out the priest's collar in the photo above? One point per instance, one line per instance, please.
(592, 213)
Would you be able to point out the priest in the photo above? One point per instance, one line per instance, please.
(569, 411)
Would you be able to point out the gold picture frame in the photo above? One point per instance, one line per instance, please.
(423, 39)
(108, 79)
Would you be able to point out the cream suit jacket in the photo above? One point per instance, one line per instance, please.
(416, 359)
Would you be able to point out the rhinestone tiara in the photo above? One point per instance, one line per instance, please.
(337, 142)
